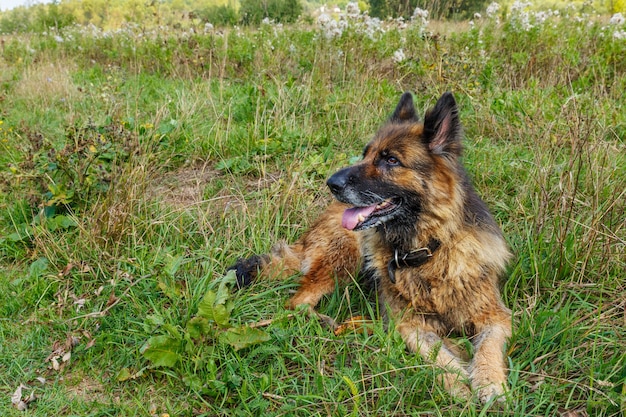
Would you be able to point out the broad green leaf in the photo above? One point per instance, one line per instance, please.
(124, 375)
(162, 351)
(198, 327)
(217, 313)
(172, 265)
(38, 267)
(64, 222)
(22, 232)
(244, 336)
(194, 382)
(152, 322)
(167, 127)
(223, 291)
(172, 331)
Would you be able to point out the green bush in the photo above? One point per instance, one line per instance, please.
(219, 15)
(252, 12)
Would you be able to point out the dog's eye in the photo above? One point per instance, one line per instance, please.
(392, 160)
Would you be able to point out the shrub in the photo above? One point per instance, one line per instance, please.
(252, 12)
(218, 15)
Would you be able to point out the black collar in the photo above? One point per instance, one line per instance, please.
(411, 259)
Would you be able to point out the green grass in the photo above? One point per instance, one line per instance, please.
(134, 170)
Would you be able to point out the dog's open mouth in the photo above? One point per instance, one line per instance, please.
(358, 218)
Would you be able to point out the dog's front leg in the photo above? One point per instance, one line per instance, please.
(420, 338)
(488, 369)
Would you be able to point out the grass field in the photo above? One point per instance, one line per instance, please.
(136, 165)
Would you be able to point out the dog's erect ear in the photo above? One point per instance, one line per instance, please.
(405, 110)
(442, 128)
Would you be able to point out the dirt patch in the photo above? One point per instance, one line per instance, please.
(184, 187)
(87, 389)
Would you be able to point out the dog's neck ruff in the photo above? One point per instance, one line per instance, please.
(411, 259)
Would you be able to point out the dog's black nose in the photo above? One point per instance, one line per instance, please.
(338, 181)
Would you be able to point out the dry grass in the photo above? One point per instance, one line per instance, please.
(47, 83)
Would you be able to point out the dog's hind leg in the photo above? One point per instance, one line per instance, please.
(325, 255)
(320, 273)
(283, 261)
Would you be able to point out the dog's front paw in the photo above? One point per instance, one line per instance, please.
(246, 270)
(455, 385)
(491, 392)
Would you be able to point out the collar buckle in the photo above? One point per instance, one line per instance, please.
(411, 259)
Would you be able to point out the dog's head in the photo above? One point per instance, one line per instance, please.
(395, 180)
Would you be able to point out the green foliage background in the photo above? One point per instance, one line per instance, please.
(113, 14)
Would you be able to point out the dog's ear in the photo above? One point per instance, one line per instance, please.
(405, 110)
(442, 127)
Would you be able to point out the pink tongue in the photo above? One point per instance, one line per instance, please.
(350, 216)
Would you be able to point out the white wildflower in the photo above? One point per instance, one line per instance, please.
(352, 10)
(323, 19)
(399, 56)
(58, 38)
(477, 16)
(617, 19)
(492, 9)
(542, 16)
(421, 15)
(520, 17)
(619, 34)
(329, 26)
(372, 26)
(208, 27)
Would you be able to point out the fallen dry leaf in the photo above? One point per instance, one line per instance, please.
(90, 344)
(68, 268)
(577, 412)
(80, 303)
(17, 395)
(354, 323)
(84, 267)
(18, 402)
(112, 299)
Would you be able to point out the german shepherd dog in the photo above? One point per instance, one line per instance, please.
(408, 216)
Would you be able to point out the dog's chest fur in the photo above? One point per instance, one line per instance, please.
(453, 287)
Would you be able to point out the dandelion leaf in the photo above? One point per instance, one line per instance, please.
(210, 309)
(244, 336)
(198, 327)
(162, 351)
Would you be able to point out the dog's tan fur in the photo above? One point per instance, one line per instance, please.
(418, 166)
